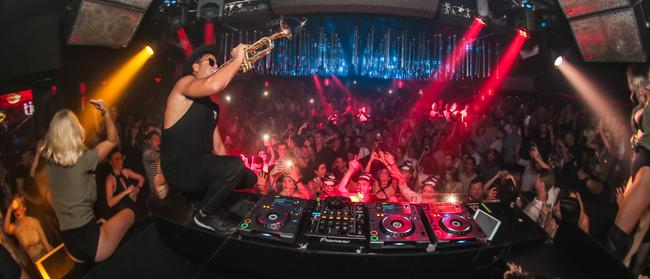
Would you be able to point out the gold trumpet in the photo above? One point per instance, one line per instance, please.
(254, 51)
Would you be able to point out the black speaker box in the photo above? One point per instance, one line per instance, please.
(103, 22)
(608, 31)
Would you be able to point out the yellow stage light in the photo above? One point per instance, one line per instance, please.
(115, 85)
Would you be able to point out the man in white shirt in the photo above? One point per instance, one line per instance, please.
(546, 196)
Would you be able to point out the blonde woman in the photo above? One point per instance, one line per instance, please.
(70, 167)
(27, 230)
(636, 200)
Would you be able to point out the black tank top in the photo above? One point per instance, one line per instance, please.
(121, 182)
(189, 138)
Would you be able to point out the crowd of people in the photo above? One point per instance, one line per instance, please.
(324, 150)
(550, 156)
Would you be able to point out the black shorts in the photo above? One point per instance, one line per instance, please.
(82, 242)
(640, 158)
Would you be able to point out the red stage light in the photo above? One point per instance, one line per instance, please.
(326, 82)
(399, 84)
(480, 21)
(208, 33)
(319, 88)
(451, 62)
(185, 42)
(53, 89)
(267, 84)
(342, 86)
(157, 79)
(522, 32)
(589, 56)
(82, 88)
(317, 83)
(505, 64)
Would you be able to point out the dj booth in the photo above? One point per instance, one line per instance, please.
(293, 238)
(280, 237)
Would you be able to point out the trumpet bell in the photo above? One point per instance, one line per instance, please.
(261, 48)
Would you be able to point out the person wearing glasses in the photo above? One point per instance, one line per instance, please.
(187, 155)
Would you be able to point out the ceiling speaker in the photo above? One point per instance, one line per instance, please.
(576, 8)
(608, 31)
(104, 23)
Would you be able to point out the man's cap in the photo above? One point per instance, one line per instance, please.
(433, 181)
(407, 166)
(196, 54)
(365, 176)
(329, 179)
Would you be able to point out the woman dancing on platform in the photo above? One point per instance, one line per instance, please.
(637, 194)
(70, 169)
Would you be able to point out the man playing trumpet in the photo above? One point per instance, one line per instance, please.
(190, 158)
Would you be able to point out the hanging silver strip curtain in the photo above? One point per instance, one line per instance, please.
(367, 52)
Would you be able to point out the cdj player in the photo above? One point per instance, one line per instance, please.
(275, 218)
(451, 224)
(337, 224)
(396, 226)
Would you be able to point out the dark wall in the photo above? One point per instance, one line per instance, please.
(31, 37)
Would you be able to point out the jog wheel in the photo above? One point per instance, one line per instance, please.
(273, 218)
(397, 225)
(455, 224)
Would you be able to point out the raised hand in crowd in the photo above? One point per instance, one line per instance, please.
(374, 156)
(354, 165)
(302, 128)
(491, 195)
(387, 158)
(294, 172)
(537, 157)
(262, 182)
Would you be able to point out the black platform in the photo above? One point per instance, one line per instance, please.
(163, 247)
(264, 259)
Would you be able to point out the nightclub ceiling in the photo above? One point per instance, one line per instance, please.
(372, 39)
